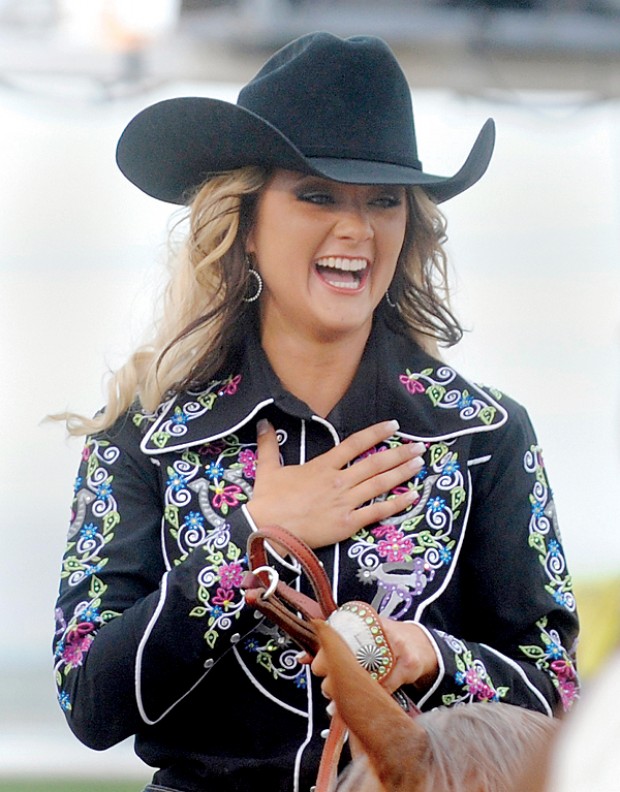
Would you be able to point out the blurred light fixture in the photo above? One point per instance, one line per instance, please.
(120, 25)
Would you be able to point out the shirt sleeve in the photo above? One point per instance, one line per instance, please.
(134, 634)
(521, 621)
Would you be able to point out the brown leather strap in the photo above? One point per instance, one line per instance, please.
(293, 612)
(300, 551)
(328, 767)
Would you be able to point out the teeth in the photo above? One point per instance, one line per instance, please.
(345, 264)
(344, 284)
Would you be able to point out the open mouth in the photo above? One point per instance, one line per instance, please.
(343, 273)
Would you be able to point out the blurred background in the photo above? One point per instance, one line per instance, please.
(535, 254)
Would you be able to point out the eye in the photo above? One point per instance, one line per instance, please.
(318, 197)
(387, 200)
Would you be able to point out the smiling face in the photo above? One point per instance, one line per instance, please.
(327, 253)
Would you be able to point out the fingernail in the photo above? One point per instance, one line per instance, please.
(413, 496)
(417, 463)
(262, 427)
(330, 709)
(393, 426)
(419, 448)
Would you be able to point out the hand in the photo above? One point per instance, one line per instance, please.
(415, 659)
(322, 501)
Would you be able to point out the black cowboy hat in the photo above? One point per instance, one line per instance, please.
(339, 108)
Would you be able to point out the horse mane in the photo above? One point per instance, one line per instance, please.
(481, 747)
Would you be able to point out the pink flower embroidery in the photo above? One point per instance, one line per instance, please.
(85, 453)
(248, 460)
(230, 387)
(226, 496)
(231, 575)
(76, 646)
(395, 546)
(224, 597)
(411, 382)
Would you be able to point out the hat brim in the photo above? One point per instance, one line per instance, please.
(170, 148)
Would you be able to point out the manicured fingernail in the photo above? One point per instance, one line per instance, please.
(393, 426)
(262, 427)
(419, 448)
(413, 496)
(330, 709)
(416, 464)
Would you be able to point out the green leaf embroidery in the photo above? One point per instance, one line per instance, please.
(435, 393)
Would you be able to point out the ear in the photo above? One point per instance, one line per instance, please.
(396, 745)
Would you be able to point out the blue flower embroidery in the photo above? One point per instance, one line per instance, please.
(436, 504)
(177, 482)
(88, 531)
(451, 467)
(90, 614)
(214, 471)
(538, 509)
(64, 701)
(104, 491)
(445, 555)
(194, 520)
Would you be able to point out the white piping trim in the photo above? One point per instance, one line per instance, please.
(330, 428)
(438, 592)
(305, 743)
(478, 460)
(302, 443)
(292, 565)
(164, 552)
(264, 690)
(140, 653)
(440, 663)
(513, 664)
(201, 440)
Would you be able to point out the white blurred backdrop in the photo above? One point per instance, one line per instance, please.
(535, 251)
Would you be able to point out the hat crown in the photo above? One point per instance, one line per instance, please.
(337, 98)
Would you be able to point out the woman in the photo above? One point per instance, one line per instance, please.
(299, 340)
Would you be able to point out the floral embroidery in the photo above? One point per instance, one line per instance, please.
(437, 389)
(471, 676)
(85, 558)
(219, 584)
(543, 528)
(175, 425)
(554, 660)
(276, 653)
(212, 480)
(216, 485)
(76, 636)
(418, 542)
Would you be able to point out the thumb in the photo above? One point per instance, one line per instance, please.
(267, 448)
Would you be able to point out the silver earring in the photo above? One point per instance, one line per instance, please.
(258, 283)
(389, 300)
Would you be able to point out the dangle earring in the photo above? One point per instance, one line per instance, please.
(389, 300)
(257, 278)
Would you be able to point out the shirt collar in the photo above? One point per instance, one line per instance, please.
(396, 379)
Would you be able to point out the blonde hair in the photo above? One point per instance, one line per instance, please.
(204, 307)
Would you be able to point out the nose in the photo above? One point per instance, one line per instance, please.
(354, 223)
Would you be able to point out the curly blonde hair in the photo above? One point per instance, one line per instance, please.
(203, 312)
